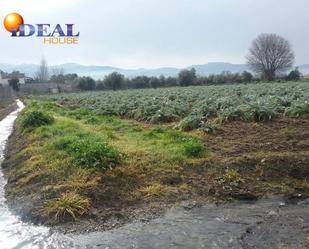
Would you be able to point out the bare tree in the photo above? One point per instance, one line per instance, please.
(270, 54)
(58, 71)
(57, 75)
(42, 74)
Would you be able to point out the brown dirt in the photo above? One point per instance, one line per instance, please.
(276, 148)
(241, 138)
(270, 157)
(4, 111)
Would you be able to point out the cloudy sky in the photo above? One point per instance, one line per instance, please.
(155, 33)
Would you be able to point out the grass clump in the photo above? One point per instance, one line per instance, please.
(152, 191)
(32, 119)
(231, 177)
(79, 114)
(169, 144)
(68, 206)
(157, 191)
(87, 151)
(193, 148)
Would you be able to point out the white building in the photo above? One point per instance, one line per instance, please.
(5, 77)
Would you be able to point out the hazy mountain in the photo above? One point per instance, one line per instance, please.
(98, 72)
(218, 67)
(304, 68)
(28, 69)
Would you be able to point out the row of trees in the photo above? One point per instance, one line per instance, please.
(187, 77)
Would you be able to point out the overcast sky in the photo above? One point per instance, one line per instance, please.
(156, 33)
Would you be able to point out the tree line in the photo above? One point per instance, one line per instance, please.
(187, 77)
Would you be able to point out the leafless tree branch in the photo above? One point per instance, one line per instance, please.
(270, 54)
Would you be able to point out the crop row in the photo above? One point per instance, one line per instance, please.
(195, 106)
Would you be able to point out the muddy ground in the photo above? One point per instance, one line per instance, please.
(263, 224)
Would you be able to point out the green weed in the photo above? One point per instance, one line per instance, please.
(32, 119)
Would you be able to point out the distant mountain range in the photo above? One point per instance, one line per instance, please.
(98, 72)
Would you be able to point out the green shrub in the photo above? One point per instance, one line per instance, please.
(252, 112)
(191, 122)
(32, 119)
(262, 112)
(298, 109)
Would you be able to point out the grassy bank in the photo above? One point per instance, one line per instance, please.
(74, 160)
(64, 163)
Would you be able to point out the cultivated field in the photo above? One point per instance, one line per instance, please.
(193, 105)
